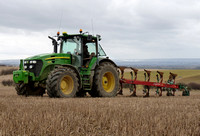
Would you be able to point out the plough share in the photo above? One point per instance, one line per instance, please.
(169, 86)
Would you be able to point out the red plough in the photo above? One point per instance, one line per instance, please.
(170, 86)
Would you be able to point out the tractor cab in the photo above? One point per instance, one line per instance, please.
(82, 47)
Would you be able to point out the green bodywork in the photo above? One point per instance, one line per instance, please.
(49, 61)
(43, 64)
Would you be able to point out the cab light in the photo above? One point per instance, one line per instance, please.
(31, 66)
(34, 61)
(80, 31)
(64, 33)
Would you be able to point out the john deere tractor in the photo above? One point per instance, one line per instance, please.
(79, 66)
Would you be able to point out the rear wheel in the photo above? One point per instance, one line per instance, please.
(62, 82)
(106, 81)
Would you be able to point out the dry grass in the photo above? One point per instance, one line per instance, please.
(99, 116)
(121, 115)
(6, 75)
(194, 86)
(190, 79)
(8, 82)
(7, 70)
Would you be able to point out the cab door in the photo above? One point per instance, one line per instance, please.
(89, 51)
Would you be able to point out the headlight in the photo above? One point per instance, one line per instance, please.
(31, 62)
(34, 61)
(31, 66)
(25, 67)
(25, 62)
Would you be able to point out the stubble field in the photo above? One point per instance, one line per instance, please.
(121, 115)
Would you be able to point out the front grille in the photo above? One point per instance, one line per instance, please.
(35, 68)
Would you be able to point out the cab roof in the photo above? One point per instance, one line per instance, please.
(81, 34)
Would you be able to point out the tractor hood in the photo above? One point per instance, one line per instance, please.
(48, 56)
(43, 62)
(39, 56)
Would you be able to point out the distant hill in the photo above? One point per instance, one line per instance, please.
(142, 63)
(10, 62)
(161, 63)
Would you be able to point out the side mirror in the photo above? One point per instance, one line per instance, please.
(99, 37)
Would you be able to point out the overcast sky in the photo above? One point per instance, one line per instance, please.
(130, 29)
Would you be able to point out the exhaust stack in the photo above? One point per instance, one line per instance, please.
(54, 43)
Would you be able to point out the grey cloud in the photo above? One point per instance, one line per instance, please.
(153, 28)
(45, 14)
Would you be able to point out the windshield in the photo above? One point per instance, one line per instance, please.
(71, 46)
(101, 51)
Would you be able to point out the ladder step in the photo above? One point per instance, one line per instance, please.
(86, 84)
(85, 79)
(84, 68)
(86, 74)
(88, 89)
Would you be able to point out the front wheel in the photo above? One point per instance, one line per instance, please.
(62, 82)
(29, 89)
(106, 81)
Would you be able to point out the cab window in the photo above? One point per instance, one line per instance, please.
(71, 46)
(101, 51)
(91, 47)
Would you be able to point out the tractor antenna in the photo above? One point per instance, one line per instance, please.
(60, 20)
(92, 26)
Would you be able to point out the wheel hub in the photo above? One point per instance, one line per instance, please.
(108, 82)
(64, 85)
(67, 84)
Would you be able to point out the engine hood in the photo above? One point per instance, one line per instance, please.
(45, 56)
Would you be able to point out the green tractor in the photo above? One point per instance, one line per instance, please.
(80, 66)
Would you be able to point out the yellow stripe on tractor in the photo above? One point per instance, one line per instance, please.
(57, 58)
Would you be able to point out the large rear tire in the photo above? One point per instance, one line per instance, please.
(106, 81)
(29, 89)
(63, 83)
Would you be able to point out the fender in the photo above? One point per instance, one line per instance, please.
(107, 60)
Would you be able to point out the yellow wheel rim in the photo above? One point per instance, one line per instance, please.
(67, 84)
(108, 82)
